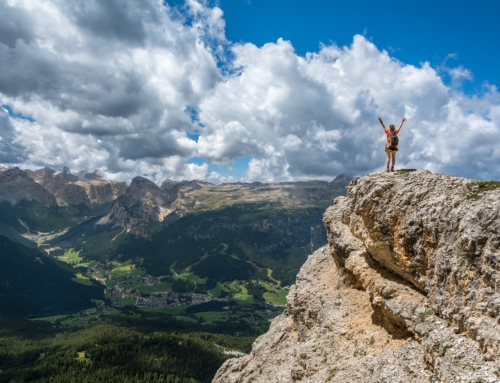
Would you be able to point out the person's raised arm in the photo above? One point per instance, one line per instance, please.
(383, 126)
(402, 122)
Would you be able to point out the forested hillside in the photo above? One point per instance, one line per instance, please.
(111, 352)
(33, 284)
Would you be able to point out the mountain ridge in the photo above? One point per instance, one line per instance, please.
(83, 189)
(47, 199)
(177, 198)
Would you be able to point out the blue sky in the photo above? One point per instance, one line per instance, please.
(412, 31)
(461, 33)
(249, 90)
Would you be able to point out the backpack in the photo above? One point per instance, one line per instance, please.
(394, 140)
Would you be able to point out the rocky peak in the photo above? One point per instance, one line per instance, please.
(73, 194)
(170, 188)
(15, 185)
(438, 237)
(140, 208)
(341, 179)
(405, 291)
(173, 187)
(143, 185)
(100, 191)
(169, 185)
(143, 191)
(52, 179)
(12, 174)
(84, 188)
(86, 175)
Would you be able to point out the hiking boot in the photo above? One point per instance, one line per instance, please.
(392, 169)
(387, 169)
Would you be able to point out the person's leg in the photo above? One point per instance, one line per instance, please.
(393, 160)
(388, 160)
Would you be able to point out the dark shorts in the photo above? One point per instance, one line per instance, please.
(391, 150)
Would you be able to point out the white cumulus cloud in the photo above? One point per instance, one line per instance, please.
(123, 72)
(140, 88)
(316, 116)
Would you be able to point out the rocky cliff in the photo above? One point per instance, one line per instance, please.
(141, 209)
(82, 188)
(15, 186)
(405, 291)
(46, 199)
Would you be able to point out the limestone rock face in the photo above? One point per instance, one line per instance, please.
(52, 179)
(15, 185)
(101, 191)
(424, 229)
(81, 188)
(143, 206)
(71, 194)
(405, 291)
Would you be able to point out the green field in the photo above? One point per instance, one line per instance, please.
(217, 290)
(71, 257)
(127, 302)
(172, 310)
(278, 298)
(244, 298)
(185, 318)
(273, 295)
(81, 318)
(212, 316)
(191, 277)
(90, 263)
(162, 286)
(82, 279)
(132, 283)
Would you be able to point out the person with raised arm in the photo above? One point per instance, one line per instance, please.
(391, 146)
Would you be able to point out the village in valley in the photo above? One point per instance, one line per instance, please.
(121, 291)
(129, 289)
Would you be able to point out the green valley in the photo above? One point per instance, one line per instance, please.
(188, 271)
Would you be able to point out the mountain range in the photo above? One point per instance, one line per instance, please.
(226, 232)
(47, 200)
(204, 234)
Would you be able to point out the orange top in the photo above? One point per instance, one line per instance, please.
(388, 133)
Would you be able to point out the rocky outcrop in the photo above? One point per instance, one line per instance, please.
(143, 206)
(78, 189)
(423, 228)
(99, 191)
(52, 179)
(405, 291)
(15, 186)
(71, 194)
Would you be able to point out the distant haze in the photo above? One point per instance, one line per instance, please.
(141, 88)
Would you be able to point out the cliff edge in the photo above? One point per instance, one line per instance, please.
(405, 291)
